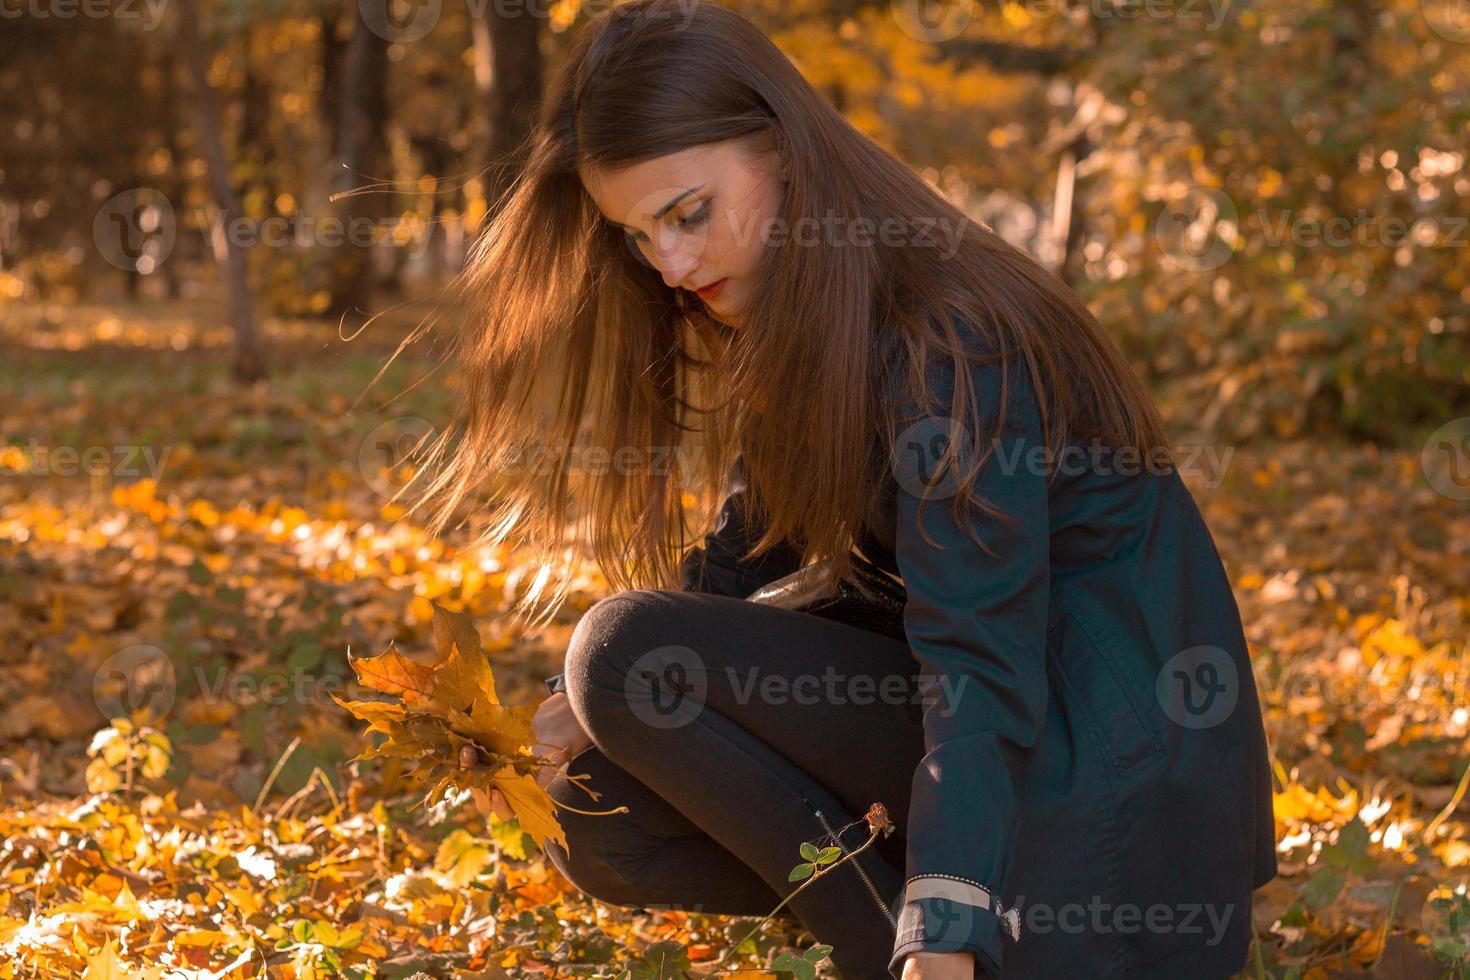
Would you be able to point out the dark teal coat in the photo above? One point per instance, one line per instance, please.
(1095, 798)
(1103, 780)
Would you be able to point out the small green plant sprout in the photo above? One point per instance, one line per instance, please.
(816, 863)
(803, 965)
(123, 749)
(814, 859)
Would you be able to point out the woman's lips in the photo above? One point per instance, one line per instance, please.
(711, 291)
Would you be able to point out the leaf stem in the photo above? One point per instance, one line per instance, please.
(818, 873)
(276, 771)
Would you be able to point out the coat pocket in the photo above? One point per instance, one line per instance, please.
(1097, 680)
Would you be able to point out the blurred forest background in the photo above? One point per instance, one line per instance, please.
(218, 218)
(1263, 200)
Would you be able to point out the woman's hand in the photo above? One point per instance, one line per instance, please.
(939, 966)
(559, 736)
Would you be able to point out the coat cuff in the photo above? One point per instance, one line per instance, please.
(945, 914)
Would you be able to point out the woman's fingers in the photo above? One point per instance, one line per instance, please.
(556, 724)
(556, 757)
(487, 801)
(559, 738)
(492, 801)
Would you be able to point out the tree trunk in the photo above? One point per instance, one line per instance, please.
(229, 255)
(509, 74)
(433, 151)
(178, 185)
(331, 61)
(362, 101)
(254, 141)
(1070, 213)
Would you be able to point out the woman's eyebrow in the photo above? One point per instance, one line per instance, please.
(667, 207)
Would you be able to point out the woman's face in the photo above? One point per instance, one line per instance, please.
(698, 216)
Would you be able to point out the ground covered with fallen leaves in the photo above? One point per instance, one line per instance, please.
(148, 504)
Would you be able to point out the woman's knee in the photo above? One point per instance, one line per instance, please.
(624, 663)
(606, 638)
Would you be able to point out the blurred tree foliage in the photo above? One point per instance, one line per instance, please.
(1262, 200)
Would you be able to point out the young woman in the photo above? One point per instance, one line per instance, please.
(702, 255)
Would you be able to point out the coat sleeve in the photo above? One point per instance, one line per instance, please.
(726, 570)
(976, 623)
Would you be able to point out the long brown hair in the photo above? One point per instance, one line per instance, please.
(572, 340)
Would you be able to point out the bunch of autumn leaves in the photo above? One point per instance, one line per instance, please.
(448, 711)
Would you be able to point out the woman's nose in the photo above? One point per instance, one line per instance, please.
(676, 257)
(678, 271)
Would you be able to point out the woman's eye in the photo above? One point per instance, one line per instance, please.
(694, 220)
(697, 217)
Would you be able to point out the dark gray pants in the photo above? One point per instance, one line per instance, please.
(733, 732)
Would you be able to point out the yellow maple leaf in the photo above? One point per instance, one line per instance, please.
(104, 965)
(393, 673)
(532, 806)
